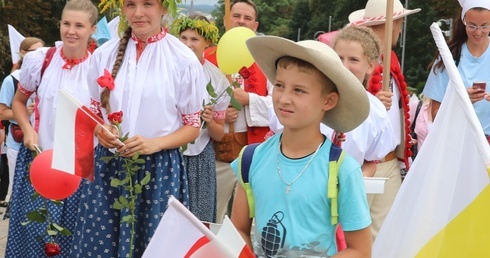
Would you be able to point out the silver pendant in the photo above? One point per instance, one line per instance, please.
(288, 188)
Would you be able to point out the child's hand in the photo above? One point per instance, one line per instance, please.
(207, 114)
(385, 98)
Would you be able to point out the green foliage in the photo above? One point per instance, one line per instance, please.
(41, 215)
(128, 185)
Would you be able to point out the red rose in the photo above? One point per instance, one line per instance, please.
(52, 249)
(106, 81)
(116, 117)
(244, 72)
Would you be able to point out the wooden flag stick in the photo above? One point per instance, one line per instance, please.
(387, 44)
(226, 18)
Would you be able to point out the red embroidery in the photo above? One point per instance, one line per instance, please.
(151, 39)
(219, 114)
(95, 107)
(375, 85)
(24, 91)
(193, 120)
(70, 63)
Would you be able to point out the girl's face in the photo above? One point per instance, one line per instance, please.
(75, 29)
(352, 55)
(477, 26)
(299, 97)
(144, 17)
(195, 42)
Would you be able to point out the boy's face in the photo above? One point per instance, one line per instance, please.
(299, 97)
(353, 57)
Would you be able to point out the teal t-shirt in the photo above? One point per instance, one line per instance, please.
(299, 222)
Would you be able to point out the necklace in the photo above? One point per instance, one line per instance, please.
(288, 185)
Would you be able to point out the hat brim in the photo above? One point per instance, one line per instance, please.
(357, 17)
(353, 104)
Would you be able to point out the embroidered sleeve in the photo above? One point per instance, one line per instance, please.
(192, 119)
(24, 91)
(221, 114)
(95, 107)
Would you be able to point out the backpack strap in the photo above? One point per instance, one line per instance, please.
(244, 163)
(335, 159)
(16, 83)
(47, 61)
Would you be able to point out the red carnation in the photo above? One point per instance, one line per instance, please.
(115, 118)
(244, 72)
(52, 249)
(106, 80)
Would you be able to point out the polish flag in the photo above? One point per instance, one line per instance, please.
(181, 234)
(73, 149)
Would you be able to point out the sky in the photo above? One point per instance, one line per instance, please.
(208, 2)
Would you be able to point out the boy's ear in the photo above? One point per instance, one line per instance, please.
(331, 100)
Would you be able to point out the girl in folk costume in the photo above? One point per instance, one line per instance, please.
(7, 92)
(156, 83)
(198, 34)
(471, 52)
(67, 69)
(396, 101)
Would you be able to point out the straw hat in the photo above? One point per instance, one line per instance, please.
(375, 13)
(353, 104)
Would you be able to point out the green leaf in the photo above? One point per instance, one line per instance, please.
(146, 179)
(210, 89)
(36, 216)
(229, 90)
(139, 161)
(234, 103)
(52, 232)
(135, 156)
(117, 205)
(65, 232)
(235, 84)
(106, 159)
(123, 200)
(126, 218)
(184, 147)
(115, 182)
(57, 227)
(138, 189)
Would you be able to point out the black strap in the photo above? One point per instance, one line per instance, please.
(412, 126)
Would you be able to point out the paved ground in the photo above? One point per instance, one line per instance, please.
(4, 226)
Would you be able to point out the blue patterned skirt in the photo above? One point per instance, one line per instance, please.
(99, 231)
(29, 240)
(201, 172)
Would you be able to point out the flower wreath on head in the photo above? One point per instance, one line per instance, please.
(169, 5)
(204, 28)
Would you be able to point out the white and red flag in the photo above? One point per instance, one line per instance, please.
(442, 208)
(15, 39)
(73, 149)
(181, 235)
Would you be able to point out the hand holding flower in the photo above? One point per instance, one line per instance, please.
(208, 113)
(106, 139)
(241, 96)
(139, 144)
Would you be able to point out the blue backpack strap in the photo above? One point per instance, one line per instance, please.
(335, 159)
(244, 163)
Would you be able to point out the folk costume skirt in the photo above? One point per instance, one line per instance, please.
(99, 230)
(29, 240)
(201, 173)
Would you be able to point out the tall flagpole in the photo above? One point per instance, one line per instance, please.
(387, 44)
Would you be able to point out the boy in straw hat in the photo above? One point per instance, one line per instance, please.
(396, 101)
(289, 173)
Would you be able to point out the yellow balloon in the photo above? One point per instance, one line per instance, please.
(232, 53)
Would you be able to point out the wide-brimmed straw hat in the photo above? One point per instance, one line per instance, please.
(375, 13)
(353, 104)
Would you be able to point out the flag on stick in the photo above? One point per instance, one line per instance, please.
(15, 39)
(73, 149)
(442, 208)
(181, 234)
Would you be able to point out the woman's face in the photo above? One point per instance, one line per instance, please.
(477, 26)
(32, 48)
(195, 42)
(75, 29)
(144, 17)
(354, 59)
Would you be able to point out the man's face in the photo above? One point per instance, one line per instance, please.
(397, 30)
(243, 15)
